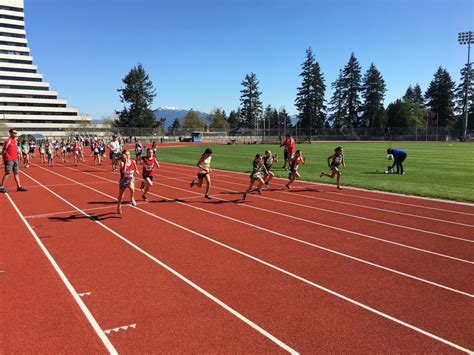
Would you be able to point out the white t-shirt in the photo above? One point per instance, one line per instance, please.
(114, 146)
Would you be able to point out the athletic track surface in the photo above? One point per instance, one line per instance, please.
(311, 270)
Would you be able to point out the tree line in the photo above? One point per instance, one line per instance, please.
(357, 101)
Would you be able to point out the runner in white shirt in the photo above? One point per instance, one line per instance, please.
(114, 147)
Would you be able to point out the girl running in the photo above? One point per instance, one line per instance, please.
(334, 162)
(149, 163)
(25, 153)
(63, 151)
(76, 152)
(268, 161)
(138, 151)
(128, 169)
(204, 165)
(32, 149)
(50, 153)
(294, 167)
(42, 150)
(256, 175)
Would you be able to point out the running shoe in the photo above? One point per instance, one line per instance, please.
(192, 183)
(21, 189)
(287, 186)
(321, 175)
(3, 190)
(208, 197)
(259, 191)
(134, 203)
(244, 196)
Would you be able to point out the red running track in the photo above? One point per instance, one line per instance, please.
(279, 273)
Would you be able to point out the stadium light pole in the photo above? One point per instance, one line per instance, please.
(466, 38)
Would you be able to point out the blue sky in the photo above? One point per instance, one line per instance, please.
(198, 52)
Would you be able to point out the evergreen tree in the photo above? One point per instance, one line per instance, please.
(460, 98)
(440, 97)
(418, 95)
(219, 120)
(409, 94)
(192, 121)
(310, 96)
(352, 88)
(137, 95)
(337, 109)
(284, 120)
(274, 120)
(398, 114)
(373, 94)
(267, 117)
(251, 106)
(234, 119)
(175, 127)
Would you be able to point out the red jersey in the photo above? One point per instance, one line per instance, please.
(148, 166)
(129, 172)
(10, 149)
(295, 163)
(76, 148)
(289, 145)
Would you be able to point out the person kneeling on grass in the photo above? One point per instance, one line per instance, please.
(256, 175)
(294, 167)
(204, 172)
(334, 163)
(149, 162)
(128, 169)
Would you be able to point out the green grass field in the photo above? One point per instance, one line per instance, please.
(440, 170)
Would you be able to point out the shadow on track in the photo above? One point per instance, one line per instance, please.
(74, 217)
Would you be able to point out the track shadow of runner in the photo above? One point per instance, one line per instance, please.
(97, 217)
(169, 201)
(102, 202)
(220, 202)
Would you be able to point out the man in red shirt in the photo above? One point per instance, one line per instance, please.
(10, 161)
(289, 150)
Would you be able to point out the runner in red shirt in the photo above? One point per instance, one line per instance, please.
(289, 150)
(10, 161)
(149, 163)
(76, 151)
(128, 169)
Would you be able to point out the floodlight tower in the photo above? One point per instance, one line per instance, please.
(466, 38)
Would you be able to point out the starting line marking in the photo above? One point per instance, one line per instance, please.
(123, 327)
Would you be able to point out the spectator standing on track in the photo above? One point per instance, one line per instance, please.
(10, 161)
(128, 169)
(257, 170)
(204, 165)
(334, 163)
(289, 150)
(149, 163)
(114, 148)
(399, 157)
(294, 167)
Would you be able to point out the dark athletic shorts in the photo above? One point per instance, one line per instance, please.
(11, 165)
(201, 175)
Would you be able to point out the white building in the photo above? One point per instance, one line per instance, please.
(27, 103)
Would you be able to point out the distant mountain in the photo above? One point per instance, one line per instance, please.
(171, 113)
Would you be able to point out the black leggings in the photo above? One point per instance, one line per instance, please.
(399, 163)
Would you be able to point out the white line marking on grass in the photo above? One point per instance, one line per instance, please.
(64, 279)
(299, 240)
(174, 272)
(325, 289)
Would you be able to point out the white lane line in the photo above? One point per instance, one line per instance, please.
(298, 240)
(84, 294)
(230, 173)
(356, 216)
(61, 185)
(320, 287)
(67, 283)
(287, 216)
(174, 272)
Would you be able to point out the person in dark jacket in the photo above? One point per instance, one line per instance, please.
(399, 157)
